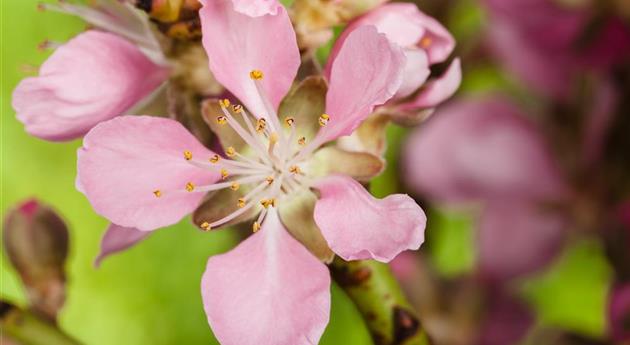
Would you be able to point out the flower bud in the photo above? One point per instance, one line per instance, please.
(36, 242)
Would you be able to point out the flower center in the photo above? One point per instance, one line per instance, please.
(274, 170)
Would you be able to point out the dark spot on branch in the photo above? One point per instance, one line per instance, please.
(4, 308)
(349, 278)
(406, 325)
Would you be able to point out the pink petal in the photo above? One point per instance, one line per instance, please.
(256, 8)
(92, 78)
(242, 36)
(357, 226)
(366, 73)
(516, 239)
(268, 290)
(406, 26)
(416, 72)
(481, 149)
(125, 159)
(441, 41)
(118, 238)
(437, 90)
(400, 22)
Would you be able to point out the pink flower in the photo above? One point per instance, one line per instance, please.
(551, 45)
(425, 42)
(145, 173)
(484, 151)
(93, 77)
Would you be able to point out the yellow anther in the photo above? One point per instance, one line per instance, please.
(302, 141)
(214, 159)
(289, 121)
(224, 103)
(261, 124)
(269, 180)
(323, 119)
(241, 203)
(256, 74)
(237, 108)
(268, 202)
(221, 120)
(157, 193)
(188, 155)
(273, 138)
(190, 186)
(230, 152)
(205, 226)
(235, 186)
(255, 227)
(224, 174)
(426, 42)
(295, 170)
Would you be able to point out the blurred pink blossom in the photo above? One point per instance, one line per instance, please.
(484, 151)
(619, 313)
(550, 45)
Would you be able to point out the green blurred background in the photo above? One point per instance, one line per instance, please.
(150, 294)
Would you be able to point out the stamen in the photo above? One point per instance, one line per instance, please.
(235, 186)
(230, 152)
(214, 159)
(222, 120)
(289, 121)
(268, 202)
(224, 103)
(235, 167)
(157, 193)
(237, 108)
(188, 155)
(302, 141)
(294, 169)
(205, 226)
(426, 42)
(256, 74)
(190, 186)
(257, 224)
(224, 174)
(271, 112)
(250, 140)
(242, 209)
(269, 180)
(261, 124)
(324, 119)
(230, 184)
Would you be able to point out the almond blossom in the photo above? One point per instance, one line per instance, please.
(301, 195)
(425, 42)
(93, 77)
